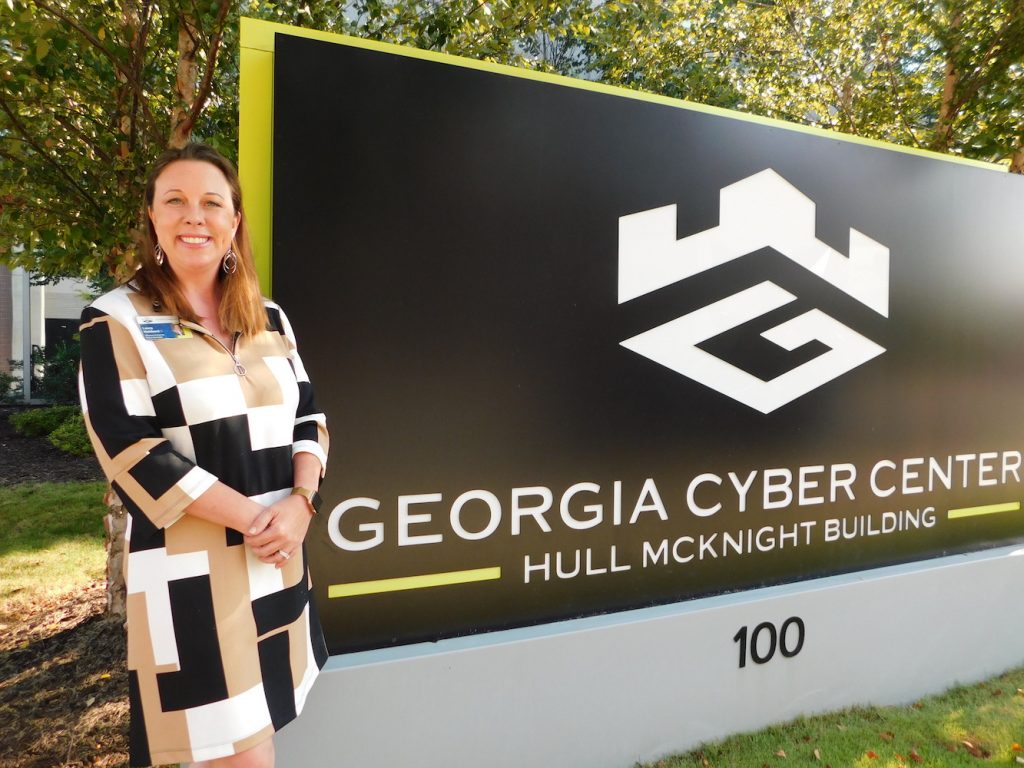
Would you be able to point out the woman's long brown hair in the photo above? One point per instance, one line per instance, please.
(241, 304)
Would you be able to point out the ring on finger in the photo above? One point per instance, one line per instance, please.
(283, 554)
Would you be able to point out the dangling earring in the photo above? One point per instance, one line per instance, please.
(230, 263)
(158, 254)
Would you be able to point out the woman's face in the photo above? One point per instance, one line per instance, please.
(194, 218)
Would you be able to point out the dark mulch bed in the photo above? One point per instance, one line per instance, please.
(32, 459)
(63, 685)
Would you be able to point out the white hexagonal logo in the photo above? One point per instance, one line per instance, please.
(761, 211)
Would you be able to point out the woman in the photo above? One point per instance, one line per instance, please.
(202, 417)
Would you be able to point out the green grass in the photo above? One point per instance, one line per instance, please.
(51, 538)
(930, 732)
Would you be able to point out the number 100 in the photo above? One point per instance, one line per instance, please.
(782, 639)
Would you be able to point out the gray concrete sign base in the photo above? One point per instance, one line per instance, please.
(608, 691)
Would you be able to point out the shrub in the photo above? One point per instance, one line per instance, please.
(71, 436)
(60, 373)
(10, 387)
(39, 422)
(54, 375)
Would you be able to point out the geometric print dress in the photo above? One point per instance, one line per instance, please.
(222, 648)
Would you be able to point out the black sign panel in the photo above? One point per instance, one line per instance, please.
(582, 352)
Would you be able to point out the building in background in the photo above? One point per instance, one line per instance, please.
(51, 316)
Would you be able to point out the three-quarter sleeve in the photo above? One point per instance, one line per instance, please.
(148, 474)
(310, 432)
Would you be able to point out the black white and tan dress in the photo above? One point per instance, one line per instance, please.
(222, 649)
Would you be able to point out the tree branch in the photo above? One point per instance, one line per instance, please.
(888, 63)
(836, 92)
(59, 216)
(41, 151)
(83, 137)
(141, 35)
(83, 115)
(129, 76)
(211, 64)
(973, 83)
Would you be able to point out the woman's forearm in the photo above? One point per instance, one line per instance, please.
(225, 506)
(307, 470)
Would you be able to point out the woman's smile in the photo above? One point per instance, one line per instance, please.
(195, 239)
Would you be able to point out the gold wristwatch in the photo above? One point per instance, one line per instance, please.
(312, 498)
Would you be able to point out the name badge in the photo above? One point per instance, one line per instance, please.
(155, 327)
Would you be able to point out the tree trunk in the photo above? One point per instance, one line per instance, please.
(947, 109)
(123, 92)
(115, 523)
(1017, 161)
(944, 126)
(192, 92)
(185, 88)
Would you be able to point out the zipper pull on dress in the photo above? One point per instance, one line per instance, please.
(239, 368)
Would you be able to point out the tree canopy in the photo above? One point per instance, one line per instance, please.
(933, 74)
(92, 92)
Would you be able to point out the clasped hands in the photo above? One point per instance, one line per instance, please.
(278, 531)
